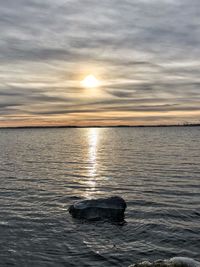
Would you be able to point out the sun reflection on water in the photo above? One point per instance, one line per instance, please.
(93, 136)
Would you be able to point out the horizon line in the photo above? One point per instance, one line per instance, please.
(100, 126)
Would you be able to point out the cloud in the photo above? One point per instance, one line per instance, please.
(146, 53)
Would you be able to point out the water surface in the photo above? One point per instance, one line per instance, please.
(43, 171)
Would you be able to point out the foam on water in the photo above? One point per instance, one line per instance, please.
(173, 262)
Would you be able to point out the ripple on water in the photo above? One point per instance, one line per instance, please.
(43, 171)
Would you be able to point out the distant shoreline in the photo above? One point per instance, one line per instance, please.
(105, 126)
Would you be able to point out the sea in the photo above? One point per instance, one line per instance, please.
(44, 170)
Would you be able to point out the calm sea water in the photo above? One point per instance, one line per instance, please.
(43, 171)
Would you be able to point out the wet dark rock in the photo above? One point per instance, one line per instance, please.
(173, 262)
(111, 208)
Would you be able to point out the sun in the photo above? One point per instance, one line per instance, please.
(90, 81)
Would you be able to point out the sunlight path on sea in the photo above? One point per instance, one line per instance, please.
(93, 137)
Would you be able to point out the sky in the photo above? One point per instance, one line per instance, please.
(145, 54)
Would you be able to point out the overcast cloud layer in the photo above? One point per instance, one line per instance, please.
(146, 53)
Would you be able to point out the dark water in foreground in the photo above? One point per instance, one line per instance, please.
(43, 171)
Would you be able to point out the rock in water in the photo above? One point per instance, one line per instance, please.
(111, 208)
(173, 262)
